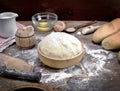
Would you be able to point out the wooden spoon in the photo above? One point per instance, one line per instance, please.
(73, 29)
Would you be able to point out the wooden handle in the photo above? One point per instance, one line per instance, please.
(85, 24)
(13, 74)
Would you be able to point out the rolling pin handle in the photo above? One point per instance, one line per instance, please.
(32, 77)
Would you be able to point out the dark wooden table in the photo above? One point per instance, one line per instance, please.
(98, 71)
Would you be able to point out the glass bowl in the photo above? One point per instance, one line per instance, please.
(44, 21)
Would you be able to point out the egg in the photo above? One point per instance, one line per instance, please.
(59, 26)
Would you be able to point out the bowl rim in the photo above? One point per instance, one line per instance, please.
(56, 16)
(58, 59)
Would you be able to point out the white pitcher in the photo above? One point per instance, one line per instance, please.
(8, 25)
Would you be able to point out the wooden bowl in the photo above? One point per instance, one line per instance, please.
(60, 63)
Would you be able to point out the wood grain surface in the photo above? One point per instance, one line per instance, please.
(98, 71)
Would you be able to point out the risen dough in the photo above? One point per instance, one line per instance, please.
(60, 45)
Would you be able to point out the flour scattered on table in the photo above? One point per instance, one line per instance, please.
(94, 63)
(79, 33)
(99, 58)
(57, 75)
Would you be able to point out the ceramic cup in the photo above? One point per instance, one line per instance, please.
(8, 25)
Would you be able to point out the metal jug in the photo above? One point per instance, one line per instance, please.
(8, 25)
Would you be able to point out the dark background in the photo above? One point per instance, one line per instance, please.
(104, 10)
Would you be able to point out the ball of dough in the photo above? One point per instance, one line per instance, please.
(60, 45)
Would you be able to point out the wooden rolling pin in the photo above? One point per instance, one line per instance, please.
(15, 63)
(15, 68)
